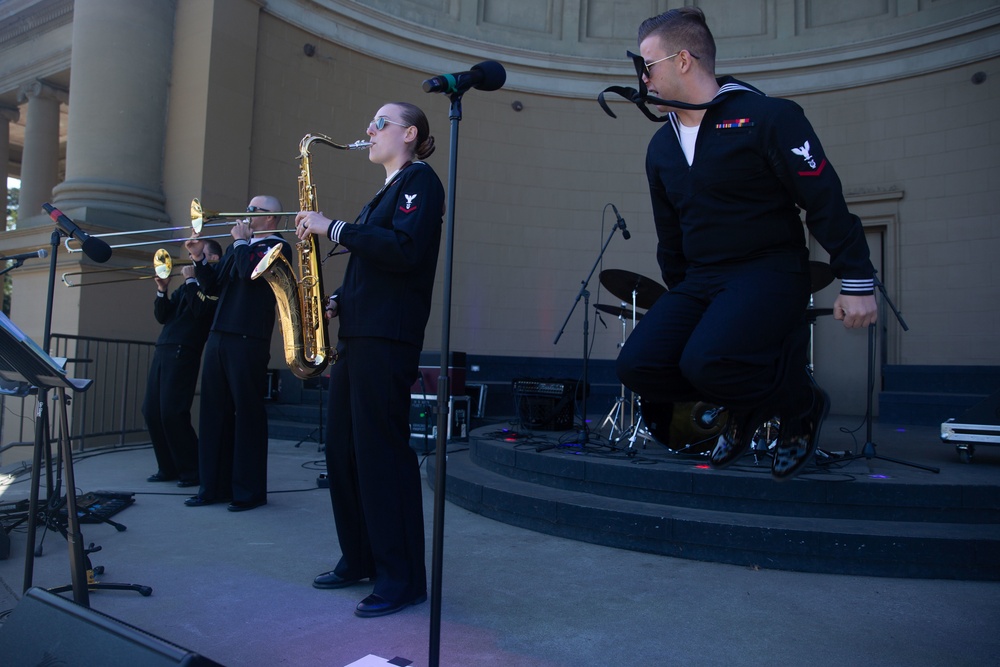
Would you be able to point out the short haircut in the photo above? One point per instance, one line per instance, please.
(683, 29)
(212, 247)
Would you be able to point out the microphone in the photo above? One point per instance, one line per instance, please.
(20, 257)
(621, 223)
(94, 248)
(487, 75)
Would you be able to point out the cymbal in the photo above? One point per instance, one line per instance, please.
(621, 283)
(618, 311)
(820, 276)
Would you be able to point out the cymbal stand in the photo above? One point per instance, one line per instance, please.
(616, 416)
(637, 430)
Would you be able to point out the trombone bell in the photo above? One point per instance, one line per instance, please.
(163, 264)
(199, 215)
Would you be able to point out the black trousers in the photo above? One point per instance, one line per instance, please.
(374, 473)
(232, 427)
(736, 337)
(170, 388)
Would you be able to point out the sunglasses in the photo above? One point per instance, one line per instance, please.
(257, 209)
(379, 123)
(643, 68)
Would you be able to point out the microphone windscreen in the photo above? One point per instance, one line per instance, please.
(97, 250)
(494, 75)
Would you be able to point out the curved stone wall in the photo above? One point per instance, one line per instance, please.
(577, 47)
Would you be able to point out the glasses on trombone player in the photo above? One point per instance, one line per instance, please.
(199, 221)
(163, 266)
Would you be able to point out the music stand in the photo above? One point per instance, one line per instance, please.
(22, 360)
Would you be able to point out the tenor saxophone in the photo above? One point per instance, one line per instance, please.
(300, 297)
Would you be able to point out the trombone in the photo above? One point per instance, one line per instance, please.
(163, 266)
(199, 216)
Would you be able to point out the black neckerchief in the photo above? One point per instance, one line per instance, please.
(363, 216)
(641, 97)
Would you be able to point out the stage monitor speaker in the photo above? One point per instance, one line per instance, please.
(46, 629)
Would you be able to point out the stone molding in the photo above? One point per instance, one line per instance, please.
(32, 16)
(430, 48)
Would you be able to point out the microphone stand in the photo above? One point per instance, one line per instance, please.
(80, 566)
(16, 265)
(585, 295)
(868, 450)
(42, 442)
(444, 390)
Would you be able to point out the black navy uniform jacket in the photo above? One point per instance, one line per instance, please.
(757, 161)
(246, 307)
(389, 279)
(185, 316)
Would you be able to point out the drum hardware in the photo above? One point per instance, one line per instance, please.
(696, 424)
(689, 427)
(765, 439)
(622, 312)
(627, 286)
(616, 416)
(640, 292)
(638, 430)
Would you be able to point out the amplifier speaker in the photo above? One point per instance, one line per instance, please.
(545, 404)
(46, 629)
(423, 421)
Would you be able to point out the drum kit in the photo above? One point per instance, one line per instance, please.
(690, 427)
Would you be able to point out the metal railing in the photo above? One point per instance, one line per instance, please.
(107, 414)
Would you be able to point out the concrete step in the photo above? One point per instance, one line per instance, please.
(800, 543)
(832, 518)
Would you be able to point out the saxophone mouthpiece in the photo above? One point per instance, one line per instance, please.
(359, 145)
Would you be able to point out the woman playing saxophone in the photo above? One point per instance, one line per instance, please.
(383, 306)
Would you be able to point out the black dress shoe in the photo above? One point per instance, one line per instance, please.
(244, 505)
(184, 483)
(332, 580)
(376, 605)
(198, 501)
(160, 477)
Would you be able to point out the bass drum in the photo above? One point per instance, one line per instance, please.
(684, 428)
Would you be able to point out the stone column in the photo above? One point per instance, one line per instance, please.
(40, 161)
(120, 76)
(8, 115)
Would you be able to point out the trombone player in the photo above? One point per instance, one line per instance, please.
(186, 316)
(232, 452)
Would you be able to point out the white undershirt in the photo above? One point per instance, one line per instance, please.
(688, 137)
